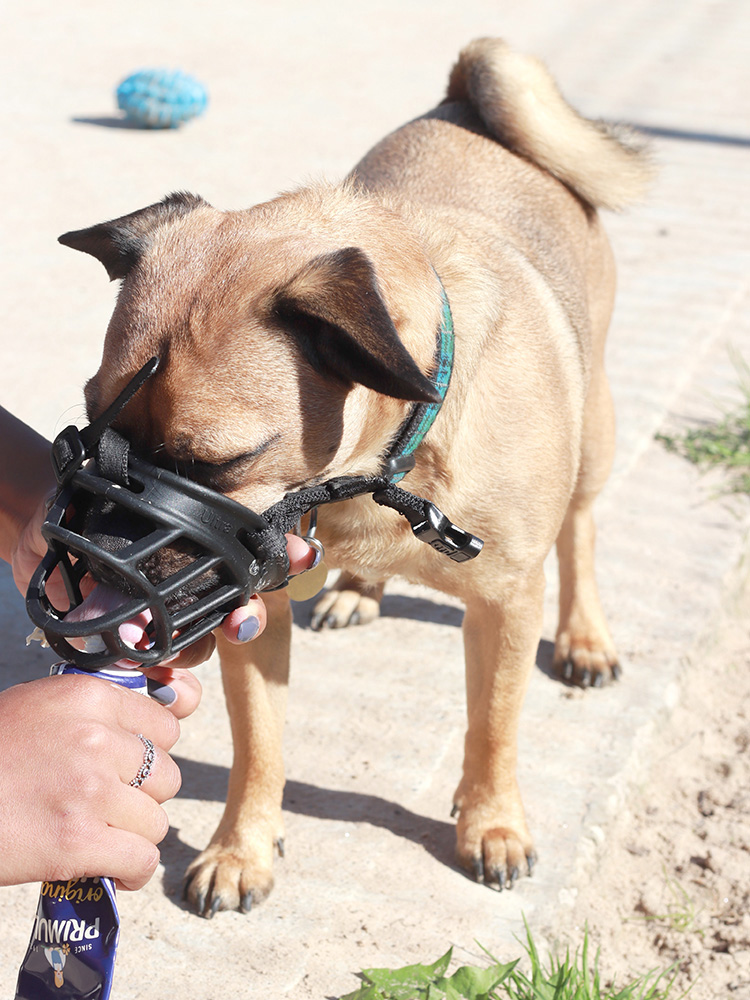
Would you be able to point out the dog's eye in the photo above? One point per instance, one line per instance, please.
(214, 475)
(219, 476)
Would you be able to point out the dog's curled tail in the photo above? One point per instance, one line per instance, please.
(520, 104)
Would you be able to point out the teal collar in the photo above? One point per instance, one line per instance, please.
(400, 457)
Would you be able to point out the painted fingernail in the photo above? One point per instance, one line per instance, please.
(162, 693)
(248, 629)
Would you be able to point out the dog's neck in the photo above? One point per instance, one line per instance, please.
(428, 523)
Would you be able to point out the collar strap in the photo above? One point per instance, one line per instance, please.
(400, 457)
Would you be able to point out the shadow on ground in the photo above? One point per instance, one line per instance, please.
(110, 121)
(393, 606)
(208, 782)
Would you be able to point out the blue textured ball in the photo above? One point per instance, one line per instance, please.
(161, 98)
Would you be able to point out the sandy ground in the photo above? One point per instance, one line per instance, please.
(672, 889)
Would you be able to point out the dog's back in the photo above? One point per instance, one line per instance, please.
(494, 92)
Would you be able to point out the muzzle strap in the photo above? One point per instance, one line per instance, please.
(112, 456)
(428, 523)
(72, 446)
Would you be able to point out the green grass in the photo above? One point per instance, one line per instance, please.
(723, 443)
(576, 978)
(681, 913)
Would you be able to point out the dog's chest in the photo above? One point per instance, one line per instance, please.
(362, 538)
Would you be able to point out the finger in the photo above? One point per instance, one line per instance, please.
(136, 714)
(116, 708)
(132, 811)
(246, 623)
(301, 555)
(176, 688)
(129, 859)
(198, 652)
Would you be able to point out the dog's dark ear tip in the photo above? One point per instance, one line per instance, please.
(433, 396)
(417, 388)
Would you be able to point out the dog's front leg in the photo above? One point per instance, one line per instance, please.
(501, 635)
(235, 870)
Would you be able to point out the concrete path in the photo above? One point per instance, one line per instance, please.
(376, 715)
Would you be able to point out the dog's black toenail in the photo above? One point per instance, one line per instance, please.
(497, 877)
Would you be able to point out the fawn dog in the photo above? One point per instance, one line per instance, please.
(335, 294)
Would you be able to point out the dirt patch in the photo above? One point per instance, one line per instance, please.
(674, 883)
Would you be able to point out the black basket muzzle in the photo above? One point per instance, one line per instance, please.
(234, 548)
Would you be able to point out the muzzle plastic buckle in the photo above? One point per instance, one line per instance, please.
(68, 454)
(430, 525)
(445, 537)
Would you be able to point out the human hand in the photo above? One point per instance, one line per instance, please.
(70, 750)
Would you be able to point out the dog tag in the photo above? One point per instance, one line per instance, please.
(311, 581)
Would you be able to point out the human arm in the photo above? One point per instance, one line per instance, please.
(26, 479)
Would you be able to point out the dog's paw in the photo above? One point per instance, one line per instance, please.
(350, 602)
(585, 660)
(222, 878)
(497, 850)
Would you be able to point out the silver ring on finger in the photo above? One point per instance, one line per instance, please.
(149, 756)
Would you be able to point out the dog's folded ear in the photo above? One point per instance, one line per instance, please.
(118, 244)
(334, 308)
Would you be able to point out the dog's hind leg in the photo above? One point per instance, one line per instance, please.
(235, 870)
(584, 651)
(351, 601)
(500, 637)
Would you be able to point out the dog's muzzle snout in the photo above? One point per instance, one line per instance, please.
(178, 551)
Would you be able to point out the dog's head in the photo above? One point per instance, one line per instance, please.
(291, 339)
